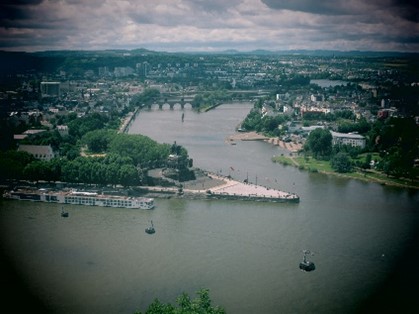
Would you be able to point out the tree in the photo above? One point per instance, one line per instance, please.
(98, 140)
(147, 97)
(201, 304)
(12, 164)
(341, 163)
(141, 149)
(319, 142)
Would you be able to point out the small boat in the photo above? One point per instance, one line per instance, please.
(150, 230)
(305, 264)
(64, 213)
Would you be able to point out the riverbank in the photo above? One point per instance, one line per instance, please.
(318, 166)
(127, 121)
(324, 168)
(255, 136)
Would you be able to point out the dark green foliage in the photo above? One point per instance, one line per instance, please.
(364, 163)
(209, 99)
(98, 141)
(141, 149)
(313, 116)
(186, 305)
(397, 140)
(91, 122)
(408, 96)
(112, 169)
(147, 97)
(42, 170)
(319, 143)
(296, 79)
(69, 150)
(352, 151)
(6, 135)
(126, 156)
(341, 162)
(361, 127)
(12, 164)
(52, 138)
(254, 121)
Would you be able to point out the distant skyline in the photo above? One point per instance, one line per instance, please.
(209, 26)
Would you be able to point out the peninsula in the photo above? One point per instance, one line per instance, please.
(208, 185)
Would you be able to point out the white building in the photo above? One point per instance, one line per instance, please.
(42, 152)
(351, 139)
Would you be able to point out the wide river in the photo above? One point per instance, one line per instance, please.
(364, 238)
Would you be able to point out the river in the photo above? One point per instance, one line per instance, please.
(99, 260)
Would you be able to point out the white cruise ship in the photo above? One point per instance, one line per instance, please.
(80, 198)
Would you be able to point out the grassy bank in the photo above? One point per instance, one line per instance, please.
(321, 166)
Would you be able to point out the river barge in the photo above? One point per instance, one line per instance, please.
(80, 198)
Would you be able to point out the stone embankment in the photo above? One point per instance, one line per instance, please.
(126, 123)
(233, 189)
(254, 136)
(212, 186)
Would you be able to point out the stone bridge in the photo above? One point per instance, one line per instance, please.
(170, 102)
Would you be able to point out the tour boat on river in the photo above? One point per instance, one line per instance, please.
(80, 198)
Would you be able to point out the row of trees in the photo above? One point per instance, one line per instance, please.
(125, 162)
(185, 305)
(107, 158)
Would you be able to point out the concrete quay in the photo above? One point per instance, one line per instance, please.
(213, 186)
(233, 189)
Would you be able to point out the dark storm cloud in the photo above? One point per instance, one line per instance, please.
(209, 25)
(15, 10)
(406, 9)
(324, 7)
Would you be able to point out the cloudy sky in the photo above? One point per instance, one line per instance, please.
(209, 25)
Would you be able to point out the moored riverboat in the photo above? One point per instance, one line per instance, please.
(80, 198)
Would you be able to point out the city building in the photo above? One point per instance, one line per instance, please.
(351, 139)
(42, 152)
(50, 89)
(62, 129)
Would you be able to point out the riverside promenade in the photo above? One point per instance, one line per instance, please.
(212, 186)
(232, 189)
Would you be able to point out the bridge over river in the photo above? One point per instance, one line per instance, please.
(171, 102)
(181, 99)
